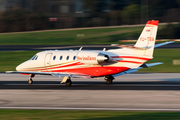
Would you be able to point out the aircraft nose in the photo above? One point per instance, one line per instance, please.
(18, 68)
(21, 66)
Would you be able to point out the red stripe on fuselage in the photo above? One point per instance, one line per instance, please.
(140, 58)
(60, 66)
(69, 65)
(24, 74)
(95, 71)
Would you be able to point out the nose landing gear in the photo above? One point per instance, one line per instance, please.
(30, 81)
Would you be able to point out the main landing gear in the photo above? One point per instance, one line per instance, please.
(30, 81)
(67, 81)
(109, 79)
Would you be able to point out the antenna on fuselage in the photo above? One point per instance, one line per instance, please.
(80, 48)
(104, 49)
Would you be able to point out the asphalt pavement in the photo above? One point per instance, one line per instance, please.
(151, 91)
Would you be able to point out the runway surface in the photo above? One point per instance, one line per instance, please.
(150, 91)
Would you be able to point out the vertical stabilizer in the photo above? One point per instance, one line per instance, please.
(148, 37)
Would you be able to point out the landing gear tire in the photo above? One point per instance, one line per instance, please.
(68, 82)
(109, 79)
(30, 81)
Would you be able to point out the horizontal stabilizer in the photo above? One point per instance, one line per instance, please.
(161, 44)
(154, 64)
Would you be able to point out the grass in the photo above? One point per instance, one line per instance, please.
(9, 60)
(166, 56)
(72, 37)
(85, 115)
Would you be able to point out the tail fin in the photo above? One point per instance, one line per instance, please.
(148, 37)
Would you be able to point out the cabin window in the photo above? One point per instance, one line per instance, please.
(54, 57)
(74, 57)
(61, 57)
(67, 58)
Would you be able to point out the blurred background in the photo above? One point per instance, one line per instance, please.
(75, 22)
(28, 15)
(30, 26)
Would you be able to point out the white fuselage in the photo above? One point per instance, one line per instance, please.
(93, 63)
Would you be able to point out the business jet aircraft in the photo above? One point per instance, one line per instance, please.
(93, 63)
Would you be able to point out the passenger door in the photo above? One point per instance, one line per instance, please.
(47, 61)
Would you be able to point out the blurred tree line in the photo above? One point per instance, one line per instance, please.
(118, 12)
(133, 11)
(21, 20)
(100, 13)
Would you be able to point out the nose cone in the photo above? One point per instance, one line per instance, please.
(22, 66)
(19, 67)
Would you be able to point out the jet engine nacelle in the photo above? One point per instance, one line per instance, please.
(92, 58)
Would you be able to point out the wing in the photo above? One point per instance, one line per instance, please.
(75, 75)
(136, 69)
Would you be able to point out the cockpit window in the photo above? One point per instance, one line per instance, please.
(36, 58)
(33, 57)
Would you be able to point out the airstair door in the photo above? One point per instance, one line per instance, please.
(47, 61)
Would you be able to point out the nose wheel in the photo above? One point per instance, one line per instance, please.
(30, 81)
